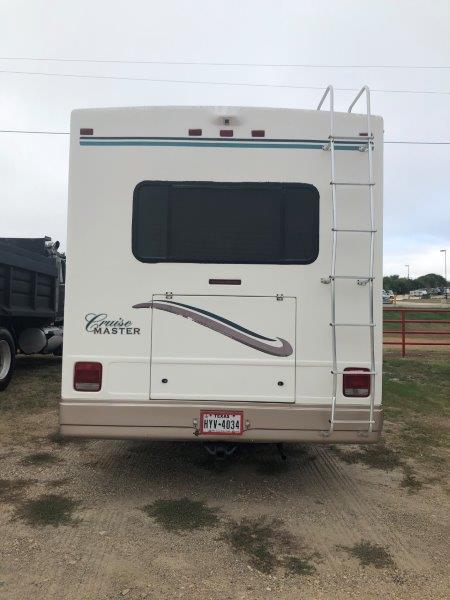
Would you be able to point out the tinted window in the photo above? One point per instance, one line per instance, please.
(225, 222)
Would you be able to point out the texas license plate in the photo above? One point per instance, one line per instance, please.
(216, 422)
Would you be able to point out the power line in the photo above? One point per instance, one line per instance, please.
(230, 83)
(422, 143)
(425, 143)
(38, 132)
(219, 64)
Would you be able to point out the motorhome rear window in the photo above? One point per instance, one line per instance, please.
(274, 223)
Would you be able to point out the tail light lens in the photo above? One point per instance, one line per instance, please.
(356, 384)
(87, 376)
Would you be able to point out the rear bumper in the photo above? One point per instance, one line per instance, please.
(179, 421)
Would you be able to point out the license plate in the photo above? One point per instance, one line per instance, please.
(215, 422)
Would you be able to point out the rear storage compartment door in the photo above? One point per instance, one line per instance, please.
(223, 348)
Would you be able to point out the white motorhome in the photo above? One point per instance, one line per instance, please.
(224, 275)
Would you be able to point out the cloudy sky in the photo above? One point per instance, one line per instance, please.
(350, 42)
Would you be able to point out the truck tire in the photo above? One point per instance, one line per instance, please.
(7, 357)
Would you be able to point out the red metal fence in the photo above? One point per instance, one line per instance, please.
(404, 332)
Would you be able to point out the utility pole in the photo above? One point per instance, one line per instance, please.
(445, 273)
(407, 266)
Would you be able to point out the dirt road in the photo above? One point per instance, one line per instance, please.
(115, 519)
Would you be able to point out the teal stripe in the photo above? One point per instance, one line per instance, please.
(218, 144)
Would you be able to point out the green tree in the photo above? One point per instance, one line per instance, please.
(399, 285)
(432, 280)
(403, 285)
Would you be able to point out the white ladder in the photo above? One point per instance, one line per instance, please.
(365, 142)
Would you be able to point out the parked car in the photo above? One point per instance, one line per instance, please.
(419, 294)
(387, 297)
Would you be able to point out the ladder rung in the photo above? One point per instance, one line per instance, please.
(367, 183)
(359, 138)
(354, 230)
(343, 422)
(352, 324)
(352, 277)
(353, 372)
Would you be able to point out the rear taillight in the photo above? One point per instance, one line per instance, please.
(356, 382)
(87, 376)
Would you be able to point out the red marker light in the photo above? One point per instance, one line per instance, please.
(258, 133)
(195, 132)
(226, 133)
(86, 131)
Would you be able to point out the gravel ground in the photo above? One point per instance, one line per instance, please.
(121, 519)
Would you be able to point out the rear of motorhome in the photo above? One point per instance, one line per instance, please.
(224, 274)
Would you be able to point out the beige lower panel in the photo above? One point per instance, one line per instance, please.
(254, 435)
(175, 421)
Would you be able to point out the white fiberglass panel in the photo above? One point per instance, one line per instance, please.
(237, 348)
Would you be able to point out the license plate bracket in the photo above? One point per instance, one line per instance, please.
(221, 422)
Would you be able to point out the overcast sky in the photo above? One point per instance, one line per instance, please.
(33, 168)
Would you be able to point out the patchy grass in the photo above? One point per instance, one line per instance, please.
(182, 515)
(268, 546)
(416, 397)
(417, 387)
(296, 565)
(377, 456)
(423, 441)
(370, 554)
(50, 509)
(36, 385)
(260, 540)
(12, 489)
(416, 400)
(39, 458)
(380, 456)
(410, 480)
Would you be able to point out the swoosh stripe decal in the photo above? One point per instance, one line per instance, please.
(223, 320)
(223, 326)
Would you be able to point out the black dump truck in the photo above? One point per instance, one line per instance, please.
(32, 276)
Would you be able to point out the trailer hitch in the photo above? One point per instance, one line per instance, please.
(220, 451)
